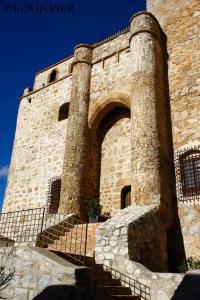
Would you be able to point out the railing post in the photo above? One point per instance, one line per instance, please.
(85, 250)
(43, 215)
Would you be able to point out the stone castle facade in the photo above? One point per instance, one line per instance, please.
(117, 117)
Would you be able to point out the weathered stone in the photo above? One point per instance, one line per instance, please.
(41, 269)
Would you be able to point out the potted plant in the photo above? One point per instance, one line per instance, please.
(104, 217)
(93, 209)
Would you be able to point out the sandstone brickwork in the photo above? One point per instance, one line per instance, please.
(115, 165)
(180, 21)
(133, 100)
(73, 189)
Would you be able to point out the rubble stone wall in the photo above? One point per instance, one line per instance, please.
(34, 270)
(133, 243)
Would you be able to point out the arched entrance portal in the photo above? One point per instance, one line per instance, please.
(111, 156)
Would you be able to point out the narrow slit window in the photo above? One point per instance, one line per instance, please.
(53, 76)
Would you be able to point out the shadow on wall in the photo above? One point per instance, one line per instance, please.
(147, 242)
(189, 288)
(175, 244)
(64, 292)
(81, 290)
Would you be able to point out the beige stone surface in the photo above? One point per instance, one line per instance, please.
(124, 243)
(115, 165)
(34, 271)
(39, 147)
(156, 78)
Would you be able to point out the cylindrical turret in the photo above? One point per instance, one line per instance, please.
(147, 83)
(73, 181)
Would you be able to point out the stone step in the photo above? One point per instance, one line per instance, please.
(118, 297)
(112, 290)
(106, 287)
(66, 250)
(96, 267)
(101, 274)
(106, 281)
(67, 243)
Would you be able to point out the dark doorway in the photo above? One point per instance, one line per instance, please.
(126, 196)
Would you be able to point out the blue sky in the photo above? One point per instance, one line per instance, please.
(32, 41)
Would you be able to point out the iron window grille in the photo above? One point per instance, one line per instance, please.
(53, 194)
(187, 164)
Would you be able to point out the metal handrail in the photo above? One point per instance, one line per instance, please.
(65, 234)
(59, 232)
(137, 288)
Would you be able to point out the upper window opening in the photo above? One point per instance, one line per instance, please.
(63, 112)
(190, 173)
(53, 76)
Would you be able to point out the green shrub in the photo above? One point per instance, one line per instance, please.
(189, 264)
(93, 207)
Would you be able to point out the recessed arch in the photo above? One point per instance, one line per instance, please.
(110, 157)
(104, 105)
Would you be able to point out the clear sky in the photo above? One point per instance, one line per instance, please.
(31, 41)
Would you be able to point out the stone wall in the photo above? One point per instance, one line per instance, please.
(180, 21)
(134, 237)
(41, 139)
(63, 68)
(135, 233)
(189, 214)
(39, 146)
(35, 269)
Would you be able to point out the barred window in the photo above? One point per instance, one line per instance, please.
(190, 173)
(54, 190)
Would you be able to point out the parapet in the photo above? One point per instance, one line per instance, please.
(83, 53)
(145, 22)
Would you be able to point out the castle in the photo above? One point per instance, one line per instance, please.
(119, 121)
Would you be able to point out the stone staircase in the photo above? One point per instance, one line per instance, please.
(72, 240)
(69, 242)
(104, 285)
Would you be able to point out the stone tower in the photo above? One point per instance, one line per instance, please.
(111, 118)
